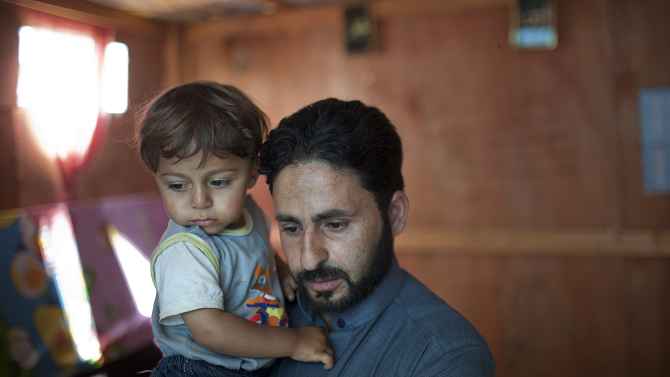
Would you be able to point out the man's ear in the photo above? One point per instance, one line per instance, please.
(254, 177)
(398, 210)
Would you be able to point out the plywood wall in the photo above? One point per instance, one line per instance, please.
(520, 144)
(493, 137)
(9, 64)
(496, 142)
(641, 34)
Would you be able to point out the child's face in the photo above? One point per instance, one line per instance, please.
(210, 196)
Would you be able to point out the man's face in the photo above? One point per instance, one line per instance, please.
(211, 196)
(335, 240)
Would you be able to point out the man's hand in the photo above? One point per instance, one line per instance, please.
(313, 346)
(288, 284)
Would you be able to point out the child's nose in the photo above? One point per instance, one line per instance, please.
(201, 199)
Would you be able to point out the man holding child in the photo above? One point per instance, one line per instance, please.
(334, 171)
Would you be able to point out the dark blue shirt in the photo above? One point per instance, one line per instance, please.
(401, 329)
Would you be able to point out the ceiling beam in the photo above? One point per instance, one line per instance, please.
(96, 15)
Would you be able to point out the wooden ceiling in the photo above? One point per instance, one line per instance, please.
(187, 11)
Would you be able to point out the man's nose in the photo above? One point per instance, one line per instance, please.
(201, 199)
(314, 251)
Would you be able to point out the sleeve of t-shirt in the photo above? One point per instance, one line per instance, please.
(185, 280)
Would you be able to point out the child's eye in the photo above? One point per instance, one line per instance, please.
(219, 183)
(177, 186)
(336, 225)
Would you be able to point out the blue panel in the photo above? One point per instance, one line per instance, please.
(655, 139)
(536, 37)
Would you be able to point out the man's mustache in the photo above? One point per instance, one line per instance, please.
(322, 272)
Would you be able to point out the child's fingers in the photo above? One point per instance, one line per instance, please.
(289, 291)
(328, 361)
(329, 357)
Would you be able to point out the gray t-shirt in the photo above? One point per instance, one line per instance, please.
(233, 271)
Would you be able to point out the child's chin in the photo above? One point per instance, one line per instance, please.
(212, 230)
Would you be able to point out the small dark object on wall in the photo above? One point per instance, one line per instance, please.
(533, 25)
(360, 28)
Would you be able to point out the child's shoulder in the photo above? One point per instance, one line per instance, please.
(258, 215)
(175, 230)
(250, 204)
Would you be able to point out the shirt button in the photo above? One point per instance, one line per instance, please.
(340, 323)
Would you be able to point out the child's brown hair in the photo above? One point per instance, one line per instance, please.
(201, 116)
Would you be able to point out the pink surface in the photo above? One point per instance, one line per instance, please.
(142, 220)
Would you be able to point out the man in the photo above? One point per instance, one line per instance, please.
(334, 171)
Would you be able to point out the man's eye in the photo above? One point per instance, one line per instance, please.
(336, 225)
(177, 186)
(290, 229)
(219, 183)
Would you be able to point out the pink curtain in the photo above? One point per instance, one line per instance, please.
(74, 165)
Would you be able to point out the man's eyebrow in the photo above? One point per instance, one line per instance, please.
(328, 214)
(282, 218)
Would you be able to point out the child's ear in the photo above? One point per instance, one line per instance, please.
(254, 177)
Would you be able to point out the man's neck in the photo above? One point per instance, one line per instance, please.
(326, 318)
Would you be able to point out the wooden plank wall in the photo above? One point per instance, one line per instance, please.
(503, 148)
(493, 138)
(641, 34)
(23, 164)
(9, 71)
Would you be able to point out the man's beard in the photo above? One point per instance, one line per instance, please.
(356, 291)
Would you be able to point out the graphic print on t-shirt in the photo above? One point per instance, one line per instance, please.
(269, 310)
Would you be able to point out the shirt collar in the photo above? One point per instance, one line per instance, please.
(368, 310)
(243, 231)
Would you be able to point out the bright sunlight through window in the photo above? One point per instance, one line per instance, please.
(135, 269)
(62, 258)
(58, 82)
(115, 79)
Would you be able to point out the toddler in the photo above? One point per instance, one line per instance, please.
(219, 305)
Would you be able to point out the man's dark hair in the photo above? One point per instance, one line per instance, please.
(199, 116)
(347, 135)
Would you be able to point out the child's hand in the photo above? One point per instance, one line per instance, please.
(288, 284)
(313, 346)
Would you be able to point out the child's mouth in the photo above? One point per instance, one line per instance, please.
(324, 285)
(204, 222)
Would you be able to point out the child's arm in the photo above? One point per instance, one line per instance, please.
(288, 284)
(230, 334)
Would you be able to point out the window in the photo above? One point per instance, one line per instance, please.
(61, 84)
